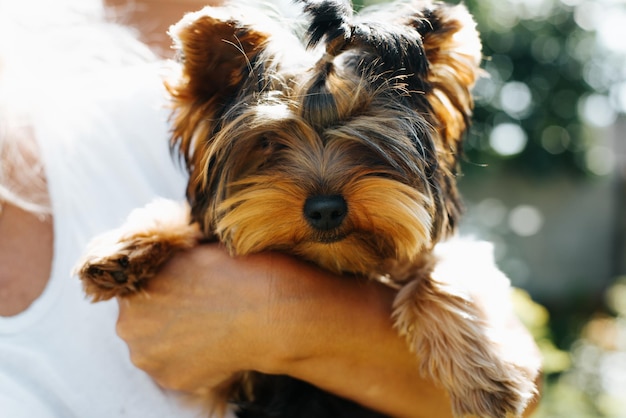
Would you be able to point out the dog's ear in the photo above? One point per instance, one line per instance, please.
(441, 87)
(453, 52)
(215, 48)
(439, 50)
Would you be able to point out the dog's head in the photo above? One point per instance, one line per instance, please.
(342, 149)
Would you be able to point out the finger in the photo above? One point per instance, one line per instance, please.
(124, 326)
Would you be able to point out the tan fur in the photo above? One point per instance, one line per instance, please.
(261, 136)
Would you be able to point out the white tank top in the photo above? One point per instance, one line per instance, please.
(103, 138)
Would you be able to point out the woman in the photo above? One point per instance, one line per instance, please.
(89, 145)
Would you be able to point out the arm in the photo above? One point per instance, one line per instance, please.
(211, 315)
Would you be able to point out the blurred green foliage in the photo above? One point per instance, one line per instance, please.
(535, 80)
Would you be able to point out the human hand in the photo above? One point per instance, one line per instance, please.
(203, 318)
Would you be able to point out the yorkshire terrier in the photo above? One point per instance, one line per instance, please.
(341, 149)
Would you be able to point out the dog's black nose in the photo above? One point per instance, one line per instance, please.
(325, 212)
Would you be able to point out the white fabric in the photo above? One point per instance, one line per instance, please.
(104, 143)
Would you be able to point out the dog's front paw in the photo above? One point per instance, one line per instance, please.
(117, 267)
(118, 262)
(105, 279)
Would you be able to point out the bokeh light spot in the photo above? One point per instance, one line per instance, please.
(596, 110)
(555, 139)
(525, 220)
(600, 160)
(491, 212)
(515, 98)
(508, 139)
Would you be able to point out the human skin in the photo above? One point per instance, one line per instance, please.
(25, 257)
(26, 238)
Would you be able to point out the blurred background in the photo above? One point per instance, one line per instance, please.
(544, 179)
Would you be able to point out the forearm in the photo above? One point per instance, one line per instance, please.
(342, 341)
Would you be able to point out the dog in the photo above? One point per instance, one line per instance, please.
(338, 143)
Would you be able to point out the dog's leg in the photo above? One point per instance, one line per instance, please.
(118, 262)
(453, 341)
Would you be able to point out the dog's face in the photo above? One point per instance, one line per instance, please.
(343, 151)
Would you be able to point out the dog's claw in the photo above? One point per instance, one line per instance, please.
(119, 277)
(124, 262)
(107, 277)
